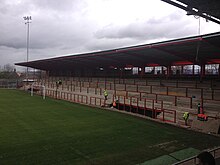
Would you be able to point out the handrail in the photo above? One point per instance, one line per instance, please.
(96, 98)
(73, 96)
(170, 111)
(153, 108)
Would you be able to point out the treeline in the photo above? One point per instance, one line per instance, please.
(8, 71)
(7, 68)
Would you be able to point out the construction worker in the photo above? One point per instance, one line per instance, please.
(105, 94)
(199, 107)
(59, 82)
(114, 104)
(186, 117)
(202, 117)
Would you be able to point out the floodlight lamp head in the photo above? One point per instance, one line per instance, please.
(27, 18)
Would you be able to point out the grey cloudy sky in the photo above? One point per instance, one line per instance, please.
(62, 27)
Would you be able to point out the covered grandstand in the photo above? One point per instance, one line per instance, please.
(196, 56)
(160, 80)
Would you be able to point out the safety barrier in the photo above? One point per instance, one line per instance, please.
(164, 116)
(134, 103)
(184, 101)
(141, 107)
(167, 90)
(67, 96)
(100, 100)
(175, 98)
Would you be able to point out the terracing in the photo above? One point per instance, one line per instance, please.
(169, 99)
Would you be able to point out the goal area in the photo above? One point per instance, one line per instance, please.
(38, 89)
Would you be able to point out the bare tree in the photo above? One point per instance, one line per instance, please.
(8, 68)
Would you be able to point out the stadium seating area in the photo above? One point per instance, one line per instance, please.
(168, 98)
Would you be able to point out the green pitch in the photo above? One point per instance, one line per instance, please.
(37, 131)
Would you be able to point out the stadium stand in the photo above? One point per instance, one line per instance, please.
(160, 80)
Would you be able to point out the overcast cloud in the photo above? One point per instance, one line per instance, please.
(76, 26)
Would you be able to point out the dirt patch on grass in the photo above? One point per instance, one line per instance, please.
(169, 146)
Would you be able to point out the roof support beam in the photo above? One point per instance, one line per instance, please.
(141, 60)
(175, 54)
(193, 12)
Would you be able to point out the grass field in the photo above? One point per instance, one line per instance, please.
(37, 131)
